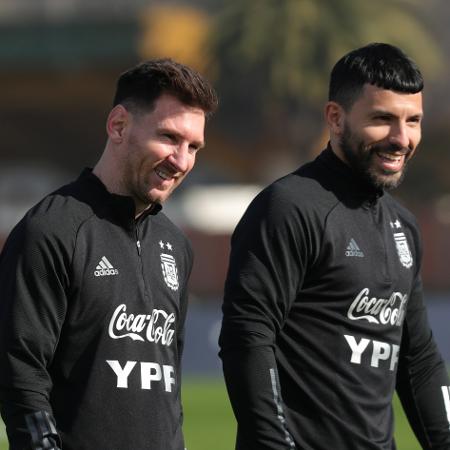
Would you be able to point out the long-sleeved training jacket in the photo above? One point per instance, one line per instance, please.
(92, 310)
(324, 318)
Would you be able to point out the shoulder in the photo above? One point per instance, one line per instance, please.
(55, 219)
(293, 209)
(298, 196)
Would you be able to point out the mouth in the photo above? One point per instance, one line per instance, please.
(391, 162)
(164, 174)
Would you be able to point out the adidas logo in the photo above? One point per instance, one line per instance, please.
(105, 268)
(353, 249)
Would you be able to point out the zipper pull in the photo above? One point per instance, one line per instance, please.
(138, 245)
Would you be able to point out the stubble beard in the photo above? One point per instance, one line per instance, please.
(360, 158)
(133, 185)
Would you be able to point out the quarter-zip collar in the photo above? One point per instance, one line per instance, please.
(348, 181)
(119, 208)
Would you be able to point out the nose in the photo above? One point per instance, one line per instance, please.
(399, 135)
(180, 158)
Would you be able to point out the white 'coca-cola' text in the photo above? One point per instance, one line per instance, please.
(155, 327)
(383, 311)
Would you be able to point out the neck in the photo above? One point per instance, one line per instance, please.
(108, 171)
(336, 148)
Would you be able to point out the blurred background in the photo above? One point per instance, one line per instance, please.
(270, 61)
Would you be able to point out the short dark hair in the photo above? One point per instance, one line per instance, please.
(139, 87)
(379, 64)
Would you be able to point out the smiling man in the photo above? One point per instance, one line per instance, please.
(93, 282)
(323, 315)
(378, 133)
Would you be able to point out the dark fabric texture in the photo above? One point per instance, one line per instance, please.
(324, 288)
(92, 312)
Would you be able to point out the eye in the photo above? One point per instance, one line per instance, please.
(194, 148)
(382, 118)
(415, 119)
(170, 137)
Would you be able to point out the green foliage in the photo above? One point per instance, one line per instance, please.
(289, 47)
(272, 60)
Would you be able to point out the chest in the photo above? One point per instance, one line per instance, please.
(362, 274)
(367, 247)
(130, 282)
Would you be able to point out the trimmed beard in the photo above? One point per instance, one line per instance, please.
(360, 156)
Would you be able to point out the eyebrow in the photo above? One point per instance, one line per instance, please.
(198, 144)
(383, 112)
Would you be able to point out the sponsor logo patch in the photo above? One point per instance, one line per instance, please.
(105, 268)
(380, 311)
(353, 249)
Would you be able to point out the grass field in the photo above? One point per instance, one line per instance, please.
(209, 422)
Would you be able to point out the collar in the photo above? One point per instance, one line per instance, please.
(118, 208)
(347, 180)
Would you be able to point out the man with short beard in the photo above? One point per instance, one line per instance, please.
(93, 282)
(323, 314)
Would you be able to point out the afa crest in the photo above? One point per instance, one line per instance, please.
(169, 271)
(403, 250)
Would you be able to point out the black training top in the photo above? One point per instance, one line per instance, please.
(324, 318)
(92, 310)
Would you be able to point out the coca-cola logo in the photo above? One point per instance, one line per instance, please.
(155, 327)
(383, 311)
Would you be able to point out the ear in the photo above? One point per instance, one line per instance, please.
(335, 117)
(117, 121)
